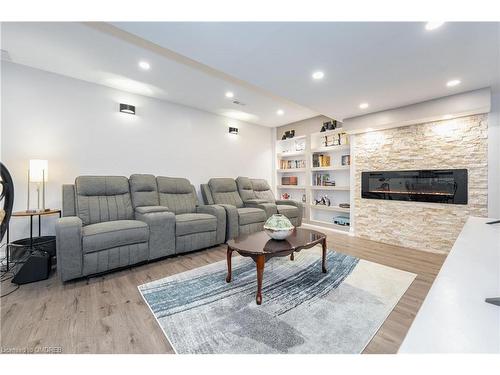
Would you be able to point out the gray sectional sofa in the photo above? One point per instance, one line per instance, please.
(241, 218)
(257, 193)
(112, 222)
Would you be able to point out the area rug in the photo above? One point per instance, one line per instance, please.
(303, 309)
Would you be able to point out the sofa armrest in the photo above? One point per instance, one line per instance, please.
(255, 201)
(161, 231)
(151, 209)
(290, 202)
(232, 221)
(297, 204)
(69, 247)
(269, 208)
(220, 213)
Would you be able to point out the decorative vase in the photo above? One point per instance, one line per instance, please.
(278, 227)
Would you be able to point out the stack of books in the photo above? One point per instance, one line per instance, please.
(292, 164)
(323, 180)
(321, 160)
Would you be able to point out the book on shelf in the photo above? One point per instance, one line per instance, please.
(321, 160)
(323, 180)
(292, 164)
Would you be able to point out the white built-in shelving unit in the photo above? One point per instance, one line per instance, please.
(299, 151)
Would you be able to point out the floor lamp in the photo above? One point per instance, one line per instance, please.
(38, 173)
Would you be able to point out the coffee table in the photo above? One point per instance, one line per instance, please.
(260, 247)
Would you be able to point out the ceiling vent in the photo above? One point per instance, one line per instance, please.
(237, 102)
(5, 55)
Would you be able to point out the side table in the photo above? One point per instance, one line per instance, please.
(30, 214)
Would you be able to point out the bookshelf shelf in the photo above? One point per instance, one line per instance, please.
(291, 170)
(325, 188)
(332, 225)
(332, 168)
(291, 153)
(330, 149)
(330, 208)
(296, 187)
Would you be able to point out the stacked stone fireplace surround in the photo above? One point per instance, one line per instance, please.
(449, 144)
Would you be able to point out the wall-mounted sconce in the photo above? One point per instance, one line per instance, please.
(127, 108)
(233, 130)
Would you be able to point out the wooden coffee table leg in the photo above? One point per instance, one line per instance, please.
(260, 261)
(229, 254)
(323, 262)
(292, 257)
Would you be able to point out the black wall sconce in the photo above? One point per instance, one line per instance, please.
(127, 108)
(233, 130)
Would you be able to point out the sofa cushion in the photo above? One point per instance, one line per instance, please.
(194, 223)
(225, 191)
(109, 234)
(103, 198)
(177, 194)
(245, 188)
(144, 190)
(262, 190)
(249, 215)
(287, 210)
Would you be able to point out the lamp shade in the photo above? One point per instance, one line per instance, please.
(39, 170)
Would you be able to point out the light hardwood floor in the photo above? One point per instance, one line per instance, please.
(107, 314)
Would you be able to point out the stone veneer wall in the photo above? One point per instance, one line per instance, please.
(449, 144)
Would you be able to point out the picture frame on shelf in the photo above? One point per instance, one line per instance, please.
(300, 144)
(346, 160)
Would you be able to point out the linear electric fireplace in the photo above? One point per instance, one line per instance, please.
(436, 185)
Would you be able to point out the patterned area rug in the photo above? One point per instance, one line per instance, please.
(303, 310)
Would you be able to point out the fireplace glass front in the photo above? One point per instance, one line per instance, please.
(436, 185)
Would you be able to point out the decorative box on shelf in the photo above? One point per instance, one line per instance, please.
(289, 180)
(342, 220)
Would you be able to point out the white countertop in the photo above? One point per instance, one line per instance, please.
(454, 317)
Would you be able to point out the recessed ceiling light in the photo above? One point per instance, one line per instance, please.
(453, 83)
(229, 94)
(363, 105)
(318, 75)
(144, 65)
(280, 112)
(433, 25)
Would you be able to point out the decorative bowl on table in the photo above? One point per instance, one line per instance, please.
(278, 227)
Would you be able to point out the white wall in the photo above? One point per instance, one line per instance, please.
(77, 127)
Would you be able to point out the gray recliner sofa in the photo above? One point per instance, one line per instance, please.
(257, 193)
(241, 219)
(112, 222)
(100, 231)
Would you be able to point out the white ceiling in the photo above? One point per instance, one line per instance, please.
(386, 64)
(267, 65)
(99, 54)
